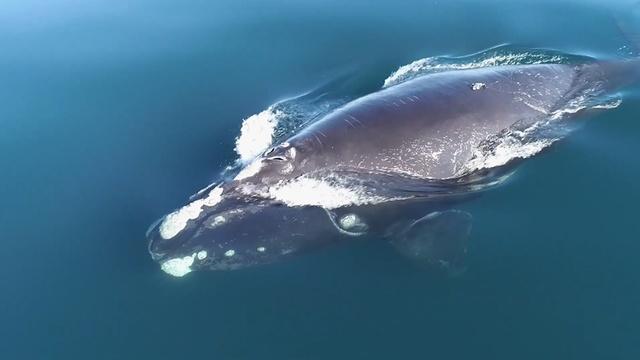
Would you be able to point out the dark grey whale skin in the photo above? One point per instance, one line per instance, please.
(393, 129)
(439, 114)
(387, 132)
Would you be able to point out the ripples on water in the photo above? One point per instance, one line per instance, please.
(114, 112)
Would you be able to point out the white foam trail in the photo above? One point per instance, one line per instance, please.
(610, 105)
(256, 134)
(324, 193)
(529, 142)
(438, 64)
(249, 170)
(506, 151)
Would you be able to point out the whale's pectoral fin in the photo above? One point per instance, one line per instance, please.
(438, 240)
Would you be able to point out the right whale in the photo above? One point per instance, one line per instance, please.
(393, 164)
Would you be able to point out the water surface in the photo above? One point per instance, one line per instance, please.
(114, 112)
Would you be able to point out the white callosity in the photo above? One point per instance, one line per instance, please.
(230, 253)
(175, 222)
(217, 221)
(256, 134)
(178, 267)
(351, 221)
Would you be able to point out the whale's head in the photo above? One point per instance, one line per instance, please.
(217, 231)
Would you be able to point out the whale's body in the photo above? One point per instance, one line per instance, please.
(422, 132)
(445, 115)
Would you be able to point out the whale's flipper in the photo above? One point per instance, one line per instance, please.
(438, 240)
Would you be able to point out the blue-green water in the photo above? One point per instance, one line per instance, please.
(113, 112)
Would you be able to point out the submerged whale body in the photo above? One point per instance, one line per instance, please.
(393, 164)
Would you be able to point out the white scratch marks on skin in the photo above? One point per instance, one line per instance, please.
(356, 120)
(318, 139)
(350, 124)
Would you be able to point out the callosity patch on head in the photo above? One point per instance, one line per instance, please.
(175, 222)
(178, 267)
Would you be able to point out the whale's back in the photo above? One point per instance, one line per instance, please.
(428, 127)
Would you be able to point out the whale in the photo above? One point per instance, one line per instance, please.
(396, 164)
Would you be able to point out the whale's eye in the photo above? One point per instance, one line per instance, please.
(277, 158)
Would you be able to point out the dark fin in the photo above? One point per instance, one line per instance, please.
(438, 240)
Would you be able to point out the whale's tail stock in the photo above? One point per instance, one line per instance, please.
(627, 19)
(626, 71)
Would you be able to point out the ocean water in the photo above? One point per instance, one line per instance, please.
(114, 112)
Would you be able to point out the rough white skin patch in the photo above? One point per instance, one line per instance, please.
(249, 170)
(261, 249)
(313, 192)
(349, 221)
(256, 134)
(177, 220)
(218, 220)
(202, 254)
(178, 267)
(230, 253)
